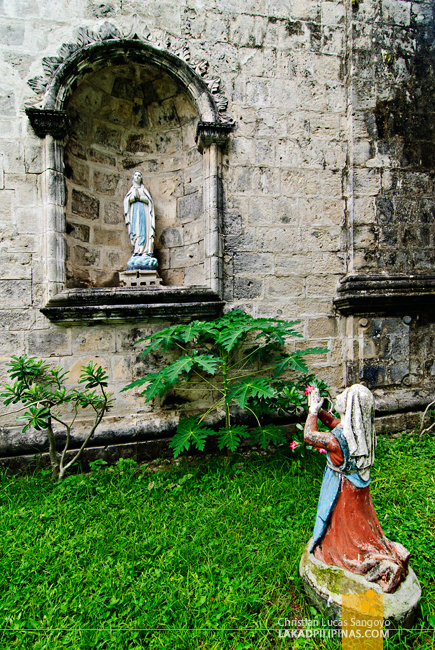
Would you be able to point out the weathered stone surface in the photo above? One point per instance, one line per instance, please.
(17, 319)
(15, 266)
(325, 585)
(12, 34)
(49, 343)
(113, 214)
(170, 238)
(15, 293)
(102, 158)
(247, 288)
(253, 263)
(189, 207)
(11, 343)
(104, 237)
(77, 172)
(108, 137)
(140, 143)
(105, 183)
(78, 231)
(7, 100)
(86, 256)
(85, 205)
(194, 275)
(85, 340)
(186, 255)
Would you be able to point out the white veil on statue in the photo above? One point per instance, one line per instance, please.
(358, 425)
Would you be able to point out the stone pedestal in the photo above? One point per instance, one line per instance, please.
(325, 584)
(139, 279)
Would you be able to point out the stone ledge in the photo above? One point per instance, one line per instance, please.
(361, 294)
(48, 121)
(208, 133)
(126, 304)
(325, 584)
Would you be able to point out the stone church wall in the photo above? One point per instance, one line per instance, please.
(328, 174)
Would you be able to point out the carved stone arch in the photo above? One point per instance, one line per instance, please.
(94, 55)
(50, 121)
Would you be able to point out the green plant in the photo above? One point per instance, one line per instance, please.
(240, 358)
(41, 389)
(210, 561)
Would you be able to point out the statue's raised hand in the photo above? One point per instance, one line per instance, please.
(314, 401)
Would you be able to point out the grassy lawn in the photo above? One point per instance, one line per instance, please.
(206, 551)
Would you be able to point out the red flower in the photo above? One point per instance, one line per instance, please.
(322, 451)
(308, 389)
(294, 444)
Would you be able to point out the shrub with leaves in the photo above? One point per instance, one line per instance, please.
(239, 359)
(41, 389)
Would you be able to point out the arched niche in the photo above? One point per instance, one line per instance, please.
(112, 107)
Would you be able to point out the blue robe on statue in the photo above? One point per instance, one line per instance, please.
(138, 230)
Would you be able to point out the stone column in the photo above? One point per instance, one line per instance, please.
(211, 138)
(52, 125)
(54, 217)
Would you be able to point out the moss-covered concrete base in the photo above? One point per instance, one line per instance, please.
(325, 585)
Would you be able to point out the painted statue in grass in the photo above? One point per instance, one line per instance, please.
(347, 532)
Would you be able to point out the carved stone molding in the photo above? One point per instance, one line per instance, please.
(126, 304)
(360, 294)
(94, 49)
(138, 31)
(47, 121)
(208, 133)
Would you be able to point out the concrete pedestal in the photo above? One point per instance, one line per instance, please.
(139, 279)
(325, 584)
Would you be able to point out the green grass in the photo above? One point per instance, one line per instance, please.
(207, 544)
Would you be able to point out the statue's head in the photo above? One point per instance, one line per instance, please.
(356, 406)
(137, 178)
(355, 394)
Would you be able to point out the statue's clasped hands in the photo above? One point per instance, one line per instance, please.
(314, 401)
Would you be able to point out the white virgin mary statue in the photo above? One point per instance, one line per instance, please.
(141, 224)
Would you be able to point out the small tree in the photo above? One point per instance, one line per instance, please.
(217, 355)
(41, 389)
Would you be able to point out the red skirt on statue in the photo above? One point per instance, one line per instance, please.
(354, 539)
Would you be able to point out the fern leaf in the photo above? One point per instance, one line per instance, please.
(281, 365)
(242, 390)
(231, 437)
(166, 338)
(157, 384)
(268, 434)
(229, 339)
(207, 362)
(297, 361)
(315, 351)
(135, 383)
(183, 364)
(154, 345)
(189, 432)
(194, 329)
